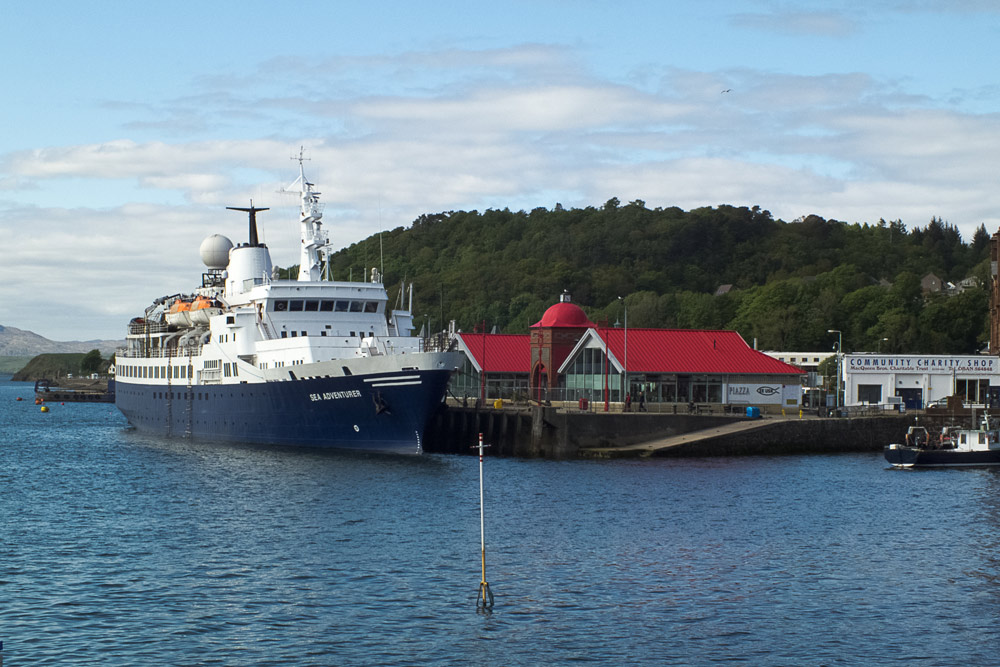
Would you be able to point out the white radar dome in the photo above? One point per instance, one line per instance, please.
(215, 251)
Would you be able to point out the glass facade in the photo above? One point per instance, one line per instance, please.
(466, 384)
(585, 378)
(972, 390)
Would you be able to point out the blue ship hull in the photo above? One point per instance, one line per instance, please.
(386, 412)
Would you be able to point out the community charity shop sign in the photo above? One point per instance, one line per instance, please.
(916, 363)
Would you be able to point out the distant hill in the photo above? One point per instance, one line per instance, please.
(20, 343)
(12, 364)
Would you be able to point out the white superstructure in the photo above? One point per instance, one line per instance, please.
(243, 325)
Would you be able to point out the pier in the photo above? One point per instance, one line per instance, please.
(560, 433)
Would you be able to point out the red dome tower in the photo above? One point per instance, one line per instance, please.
(552, 339)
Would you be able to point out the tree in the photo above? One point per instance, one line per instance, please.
(91, 363)
(792, 281)
(981, 239)
(828, 367)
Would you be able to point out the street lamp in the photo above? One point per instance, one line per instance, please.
(840, 349)
(625, 306)
(879, 349)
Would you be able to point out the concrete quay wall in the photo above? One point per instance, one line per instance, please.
(542, 432)
(792, 436)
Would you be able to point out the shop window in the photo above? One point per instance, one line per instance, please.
(870, 393)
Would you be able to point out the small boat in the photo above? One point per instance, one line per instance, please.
(179, 314)
(952, 447)
(204, 309)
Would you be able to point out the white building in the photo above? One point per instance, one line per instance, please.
(808, 361)
(920, 379)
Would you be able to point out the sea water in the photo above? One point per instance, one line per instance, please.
(116, 548)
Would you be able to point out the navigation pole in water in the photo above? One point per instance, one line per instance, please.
(485, 598)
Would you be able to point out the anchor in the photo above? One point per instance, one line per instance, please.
(380, 404)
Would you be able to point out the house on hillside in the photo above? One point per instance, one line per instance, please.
(930, 284)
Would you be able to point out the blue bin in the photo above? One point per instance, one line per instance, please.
(753, 412)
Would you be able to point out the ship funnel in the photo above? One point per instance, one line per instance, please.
(254, 242)
(250, 263)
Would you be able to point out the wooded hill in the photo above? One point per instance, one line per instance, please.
(791, 281)
(54, 366)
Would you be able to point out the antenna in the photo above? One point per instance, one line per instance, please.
(301, 158)
(381, 258)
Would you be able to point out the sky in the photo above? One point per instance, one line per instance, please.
(129, 127)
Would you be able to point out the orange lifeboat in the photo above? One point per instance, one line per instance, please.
(179, 313)
(203, 308)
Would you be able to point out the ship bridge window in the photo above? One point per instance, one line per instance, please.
(312, 306)
(279, 306)
(342, 306)
(371, 306)
(356, 306)
(295, 306)
(326, 305)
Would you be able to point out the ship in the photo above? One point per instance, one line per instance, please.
(307, 362)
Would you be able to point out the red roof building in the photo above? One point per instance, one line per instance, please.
(496, 366)
(676, 366)
(497, 353)
(716, 352)
(567, 357)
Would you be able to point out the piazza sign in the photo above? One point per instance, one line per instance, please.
(767, 394)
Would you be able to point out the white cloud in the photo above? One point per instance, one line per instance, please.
(464, 130)
(818, 23)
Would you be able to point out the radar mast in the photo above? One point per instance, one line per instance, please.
(314, 238)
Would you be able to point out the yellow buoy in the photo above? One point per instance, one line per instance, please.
(45, 408)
